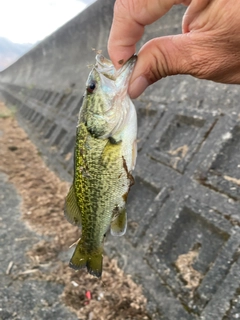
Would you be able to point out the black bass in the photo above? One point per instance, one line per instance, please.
(105, 155)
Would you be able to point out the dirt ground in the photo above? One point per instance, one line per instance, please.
(115, 295)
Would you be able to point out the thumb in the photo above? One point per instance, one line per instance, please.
(159, 58)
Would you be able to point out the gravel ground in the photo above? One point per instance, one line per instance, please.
(21, 297)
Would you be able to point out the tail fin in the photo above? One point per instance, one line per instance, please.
(91, 260)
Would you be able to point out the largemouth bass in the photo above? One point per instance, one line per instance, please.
(105, 155)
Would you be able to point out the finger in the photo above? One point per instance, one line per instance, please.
(157, 59)
(130, 18)
(189, 53)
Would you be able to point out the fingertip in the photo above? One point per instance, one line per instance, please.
(119, 54)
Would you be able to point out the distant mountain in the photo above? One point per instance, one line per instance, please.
(10, 52)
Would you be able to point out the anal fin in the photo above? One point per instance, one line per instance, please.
(119, 224)
(71, 208)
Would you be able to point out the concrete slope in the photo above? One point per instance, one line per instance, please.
(183, 236)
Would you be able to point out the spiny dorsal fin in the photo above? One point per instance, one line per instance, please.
(119, 224)
(71, 209)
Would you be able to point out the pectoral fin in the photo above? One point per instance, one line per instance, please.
(71, 209)
(119, 224)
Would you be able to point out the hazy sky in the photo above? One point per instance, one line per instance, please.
(27, 21)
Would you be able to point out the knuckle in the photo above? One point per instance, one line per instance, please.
(161, 64)
(130, 8)
(121, 5)
(156, 69)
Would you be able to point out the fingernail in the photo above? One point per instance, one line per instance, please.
(137, 87)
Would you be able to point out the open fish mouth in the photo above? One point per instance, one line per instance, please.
(106, 68)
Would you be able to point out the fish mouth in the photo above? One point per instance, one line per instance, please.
(105, 67)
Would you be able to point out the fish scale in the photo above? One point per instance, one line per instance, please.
(88, 192)
(105, 153)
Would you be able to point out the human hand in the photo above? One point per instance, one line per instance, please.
(209, 47)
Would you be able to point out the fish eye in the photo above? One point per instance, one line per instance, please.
(91, 87)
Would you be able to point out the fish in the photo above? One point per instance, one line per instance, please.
(104, 157)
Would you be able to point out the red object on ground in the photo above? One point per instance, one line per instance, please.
(88, 295)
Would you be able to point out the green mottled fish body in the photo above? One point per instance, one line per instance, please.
(105, 155)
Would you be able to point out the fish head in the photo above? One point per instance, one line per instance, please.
(106, 104)
(106, 85)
